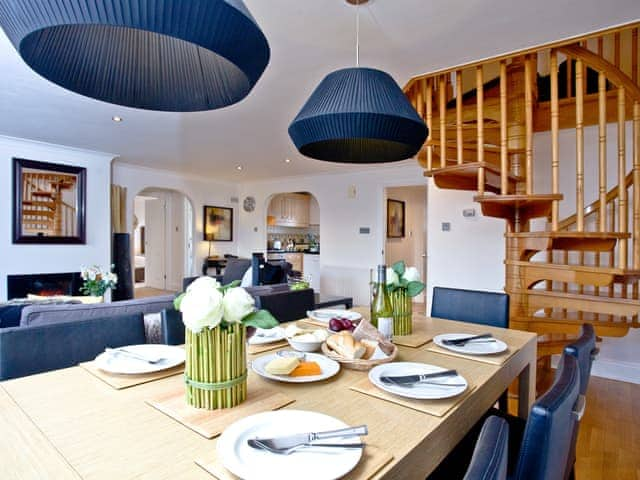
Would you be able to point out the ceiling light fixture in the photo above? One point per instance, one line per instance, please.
(287, 160)
(358, 115)
(239, 167)
(163, 55)
(117, 119)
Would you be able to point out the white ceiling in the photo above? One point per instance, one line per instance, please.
(308, 39)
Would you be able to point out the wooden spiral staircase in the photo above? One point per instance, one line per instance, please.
(44, 211)
(486, 118)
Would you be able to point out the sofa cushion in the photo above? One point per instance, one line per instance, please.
(42, 315)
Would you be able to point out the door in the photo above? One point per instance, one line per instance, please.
(155, 268)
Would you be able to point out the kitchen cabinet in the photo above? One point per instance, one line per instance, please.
(311, 265)
(289, 210)
(295, 259)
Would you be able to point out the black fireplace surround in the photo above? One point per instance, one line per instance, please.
(45, 284)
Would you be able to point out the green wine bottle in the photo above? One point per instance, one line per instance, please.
(381, 310)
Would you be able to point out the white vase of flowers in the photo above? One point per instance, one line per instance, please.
(97, 281)
(403, 283)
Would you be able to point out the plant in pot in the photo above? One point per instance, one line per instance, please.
(97, 281)
(216, 318)
(403, 283)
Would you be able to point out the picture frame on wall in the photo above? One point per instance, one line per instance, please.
(218, 224)
(49, 203)
(395, 218)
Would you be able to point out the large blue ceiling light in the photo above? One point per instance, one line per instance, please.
(358, 115)
(167, 55)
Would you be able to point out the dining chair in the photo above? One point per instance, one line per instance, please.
(171, 327)
(473, 306)
(585, 351)
(490, 456)
(41, 348)
(288, 306)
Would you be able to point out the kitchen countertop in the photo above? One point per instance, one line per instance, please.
(289, 251)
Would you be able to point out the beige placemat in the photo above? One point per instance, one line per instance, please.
(120, 382)
(265, 347)
(438, 408)
(211, 423)
(419, 336)
(315, 323)
(373, 460)
(497, 359)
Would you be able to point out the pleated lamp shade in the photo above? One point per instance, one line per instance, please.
(358, 115)
(167, 55)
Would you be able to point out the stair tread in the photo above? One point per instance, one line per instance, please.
(575, 295)
(470, 168)
(37, 213)
(583, 268)
(518, 201)
(572, 234)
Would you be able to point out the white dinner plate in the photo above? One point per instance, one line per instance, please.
(326, 314)
(114, 363)
(471, 348)
(308, 464)
(329, 368)
(421, 391)
(263, 336)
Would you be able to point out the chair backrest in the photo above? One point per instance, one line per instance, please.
(473, 306)
(584, 350)
(171, 327)
(268, 272)
(288, 306)
(548, 435)
(235, 269)
(28, 350)
(491, 454)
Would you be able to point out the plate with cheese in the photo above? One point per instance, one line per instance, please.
(312, 367)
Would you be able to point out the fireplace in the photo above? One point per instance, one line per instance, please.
(45, 284)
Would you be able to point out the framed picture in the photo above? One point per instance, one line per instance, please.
(218, 224)
(49, 202)
(395, 219)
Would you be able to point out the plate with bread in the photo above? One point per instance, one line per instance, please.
(362, 349)
(299, 368)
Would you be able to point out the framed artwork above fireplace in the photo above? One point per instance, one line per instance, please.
(49, 202)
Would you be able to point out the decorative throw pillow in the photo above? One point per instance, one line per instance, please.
(152, 328)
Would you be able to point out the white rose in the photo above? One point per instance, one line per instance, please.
(91, 274)
(201, 307)
(237, 304)
(392, 277)
(203, 283)
(411, 274)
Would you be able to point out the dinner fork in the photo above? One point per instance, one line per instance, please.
(287, 451)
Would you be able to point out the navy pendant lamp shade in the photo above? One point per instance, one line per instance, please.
(358, 115)
(167, 55)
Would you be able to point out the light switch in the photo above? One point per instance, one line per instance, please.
(446, 227)
(352, 191)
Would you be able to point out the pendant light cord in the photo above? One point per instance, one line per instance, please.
(358, 34)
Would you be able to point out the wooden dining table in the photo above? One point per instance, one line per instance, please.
(70, 424)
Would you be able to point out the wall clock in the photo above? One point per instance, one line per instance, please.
(249, 204)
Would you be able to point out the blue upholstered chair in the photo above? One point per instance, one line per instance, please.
(288, 306)
(548, 435)
(171, 327)
(490, 456)
(28, 350)
(473, 306)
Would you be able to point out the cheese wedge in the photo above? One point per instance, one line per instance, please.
(306, 369)
(282, 365)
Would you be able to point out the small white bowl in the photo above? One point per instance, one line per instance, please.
(305, 346)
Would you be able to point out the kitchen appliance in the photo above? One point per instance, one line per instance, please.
(277, 245)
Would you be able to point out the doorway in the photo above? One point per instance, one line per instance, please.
(163, 241)
(406, 238)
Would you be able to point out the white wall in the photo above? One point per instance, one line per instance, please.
(199, 190)
(29, 259)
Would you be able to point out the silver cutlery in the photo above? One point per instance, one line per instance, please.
(434, 384)
(461, 342)
(287, 451)
(133, 355)
(289, 441)
(410, 379)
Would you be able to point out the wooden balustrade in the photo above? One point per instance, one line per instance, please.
(443, 120)
(555, 141)
(480, 121)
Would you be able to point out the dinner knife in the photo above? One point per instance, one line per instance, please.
(409, 379)
(128, 353)
(462, 341)
(289, 441)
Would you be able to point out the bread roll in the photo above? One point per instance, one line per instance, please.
(345, 345)
(370, 347)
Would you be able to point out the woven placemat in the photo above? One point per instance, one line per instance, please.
(211, 423)
(438, 408)
(419, 336)
(497, 359)
(373, 460)
(265, 347)
(120, 382)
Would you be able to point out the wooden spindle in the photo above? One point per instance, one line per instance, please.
(528, 105)
(622, 170)
(602, 151)
(504, 157)
(636, 186)
(459, 137)
(420, 98)
(480, 122)
(555, 142)
(634, 55)
(429, 106)
(616, 49)
(579, 148)
(442, 90)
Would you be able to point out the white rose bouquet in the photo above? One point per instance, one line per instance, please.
(399, 276)
(97, 280)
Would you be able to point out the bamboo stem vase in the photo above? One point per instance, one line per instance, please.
(402, 312)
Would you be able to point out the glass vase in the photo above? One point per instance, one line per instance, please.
(402, 312)
(216, 367)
